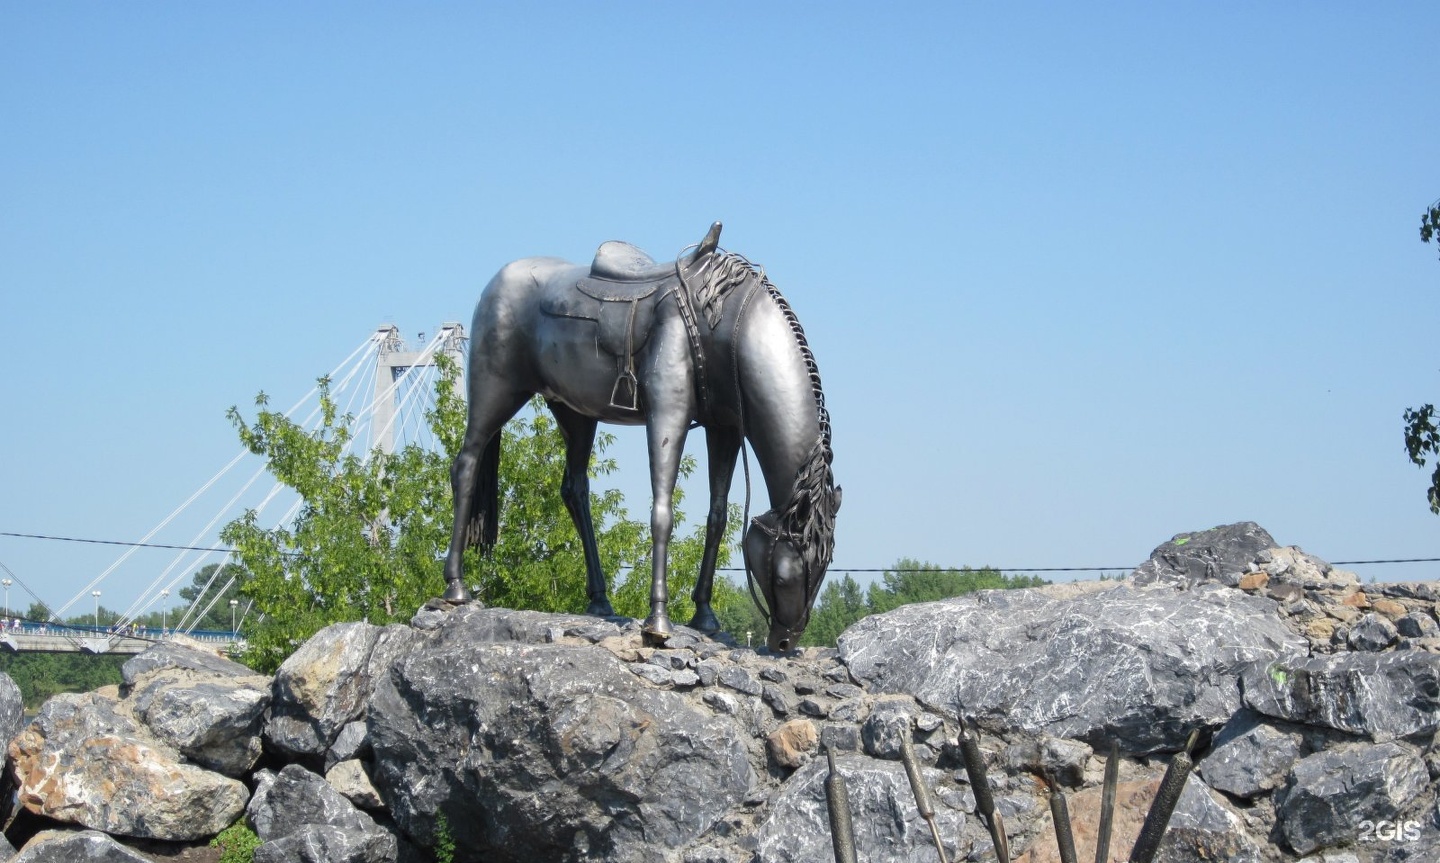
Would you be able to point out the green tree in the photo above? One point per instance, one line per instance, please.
(911, 580)
(41, 675)
(1430, 224)
(841, 603)
(1422, 440)
(737, 612)
(210, 582)
(371, 537)
(1422, 437)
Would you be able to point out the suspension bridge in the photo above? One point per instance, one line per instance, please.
(385, 386)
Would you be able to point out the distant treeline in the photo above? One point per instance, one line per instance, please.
(41, 675)
(843, 602)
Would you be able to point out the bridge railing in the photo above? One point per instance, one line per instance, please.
(35, 637)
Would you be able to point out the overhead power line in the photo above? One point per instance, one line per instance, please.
(112, 542)
(833, 569)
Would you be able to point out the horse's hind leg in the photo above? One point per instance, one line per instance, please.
(579, 434)
(474, 478)
(723, 445)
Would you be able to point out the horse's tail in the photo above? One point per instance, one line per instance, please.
(483, 528)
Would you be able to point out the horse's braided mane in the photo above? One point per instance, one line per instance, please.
(809, 518)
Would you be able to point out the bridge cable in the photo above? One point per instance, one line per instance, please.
(243, 451)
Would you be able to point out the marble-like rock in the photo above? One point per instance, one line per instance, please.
(324, 686)
(546, 751)
(1290, 565)
(1417, 624)
(84, 762)
(890, 719)
(322, 843)
(12, 708)
(882, 808)
(1221, 554)
(1332, 791)
(181, 656)
(66, 846)
(301, 817)
(352, 742)
(1063, 760)
(1372, 632)
(352, 780)
(1096, 662)
(214, 721)
(1383, 696)
(1250, 756)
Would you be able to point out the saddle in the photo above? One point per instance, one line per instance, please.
(620, 294)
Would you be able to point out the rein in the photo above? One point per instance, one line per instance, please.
(685, 303)
(711, 294)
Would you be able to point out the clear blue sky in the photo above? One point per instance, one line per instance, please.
(1078, 276)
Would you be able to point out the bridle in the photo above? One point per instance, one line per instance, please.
(685, 303)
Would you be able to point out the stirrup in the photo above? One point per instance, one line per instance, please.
(626, 385)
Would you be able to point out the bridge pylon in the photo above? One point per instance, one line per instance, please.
(393, 360)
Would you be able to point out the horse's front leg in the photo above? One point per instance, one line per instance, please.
(665, 434)
(722, 445)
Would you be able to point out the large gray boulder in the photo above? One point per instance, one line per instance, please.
(1250, 756)
(543, 752)
(321, 843)
(85, 761)
(325, 685)
(1382, 696)
(64, 846)
(182, 656)
(301, 817)
(882, 808)
(1333, 791)
(1221, 554)
(214, 721)
(12, 708)
(205, 706)
(1096, 662)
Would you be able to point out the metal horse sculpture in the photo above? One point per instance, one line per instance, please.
(704, 340)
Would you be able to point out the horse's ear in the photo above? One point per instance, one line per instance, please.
(710, 243)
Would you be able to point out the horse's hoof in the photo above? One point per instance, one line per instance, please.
(455, 592)
(600, 608)
(705, 621)
(656, 630)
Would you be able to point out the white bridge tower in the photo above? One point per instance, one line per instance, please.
(393, 360)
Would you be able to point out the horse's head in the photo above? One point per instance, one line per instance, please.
(788, 574)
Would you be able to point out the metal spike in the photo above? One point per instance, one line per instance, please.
(1107, 805)
(1060, 816)
(1158, 818)
(842, 832)
(922, 793)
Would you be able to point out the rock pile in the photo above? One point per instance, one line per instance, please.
(523, 736)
